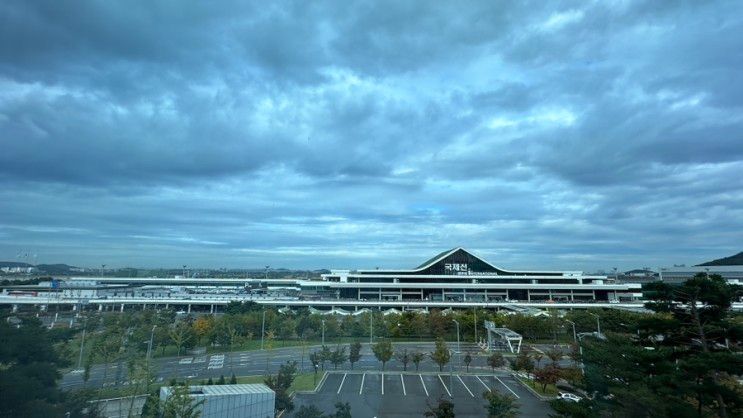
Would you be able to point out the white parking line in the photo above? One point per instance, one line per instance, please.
(506, 386)
(447, 389)
(382, 383)
(465, 386)
(404, 393)
(424, 384)
(483, 383)
(341, 385)
(361, 388)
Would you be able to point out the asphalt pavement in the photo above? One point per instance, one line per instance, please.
(404, 394)
(258, 362)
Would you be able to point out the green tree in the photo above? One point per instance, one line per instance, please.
(281, 383)
(354, 353)
(496, 360)
(106, 348)
(441, 354)
(180, 335)
(338, 356)
(500, 406)
(547, 376)
(417, 357)
(679, 361)
(467, 360)
(403, 357)
(325, 355)
(523, 362)
(29, 369)
(569, 409)
(310, 411)
(180, 404)
(342, 410)
(443, 409)
(383, 351)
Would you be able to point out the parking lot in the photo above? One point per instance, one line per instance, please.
(396, 394)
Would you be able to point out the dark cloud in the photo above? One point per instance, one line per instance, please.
(358, 134)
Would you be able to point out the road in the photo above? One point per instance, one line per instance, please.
(258, 362)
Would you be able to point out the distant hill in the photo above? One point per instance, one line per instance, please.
(733, 260)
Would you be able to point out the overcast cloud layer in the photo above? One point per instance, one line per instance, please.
(340, 134)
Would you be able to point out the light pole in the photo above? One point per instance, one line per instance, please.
(371, 327)
(598, 322)
(451, 376)
(459, 348)
(475, 309)
(82, 344)
(323, 332)
(575, 336)
(149, 344)
(263, 328)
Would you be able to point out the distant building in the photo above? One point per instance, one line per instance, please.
(458, 275)
(230, 401)
(644, 275)
(674, 275)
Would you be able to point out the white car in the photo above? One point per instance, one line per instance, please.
(569, 397)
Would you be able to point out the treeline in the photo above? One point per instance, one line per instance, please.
(29, 369)
(247, 326)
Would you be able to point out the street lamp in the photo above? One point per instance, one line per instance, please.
(598, 322)
(475, 311)
(459, 347)
(371, 327)
(82, 344)
(323, 332)
(575, 337)
(263, 328)
(149, 345)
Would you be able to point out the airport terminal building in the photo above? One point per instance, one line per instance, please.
(458, 275)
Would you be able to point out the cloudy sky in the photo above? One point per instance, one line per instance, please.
(580, 135)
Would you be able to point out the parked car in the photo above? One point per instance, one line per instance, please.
(566, 396)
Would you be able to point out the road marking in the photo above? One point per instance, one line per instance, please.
(382, 383)
(341, 385)
(465, 386)
(424, 384)
(483, 383)
(442, 382)
(509, 389)
(404, 393)
(362, 383)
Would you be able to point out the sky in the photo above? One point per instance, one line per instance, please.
(342, 134)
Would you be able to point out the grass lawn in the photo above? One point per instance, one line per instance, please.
(550, 391)
(304, 381)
